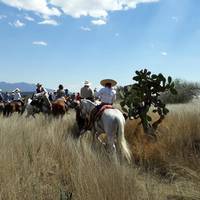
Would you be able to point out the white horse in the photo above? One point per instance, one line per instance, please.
(112, 123)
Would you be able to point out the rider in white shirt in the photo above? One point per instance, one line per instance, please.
(107, 96)
(17, 95)
(40, 90)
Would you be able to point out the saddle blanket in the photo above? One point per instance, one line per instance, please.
(102, 109)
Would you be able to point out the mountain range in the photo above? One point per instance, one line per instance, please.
(24, 87)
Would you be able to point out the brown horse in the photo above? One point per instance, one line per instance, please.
(14, 106)
(2, 106)
(59, 107)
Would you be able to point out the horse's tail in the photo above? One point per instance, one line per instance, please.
(121, 141)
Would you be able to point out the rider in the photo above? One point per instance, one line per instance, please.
(66, 92)
(39, 95)
(40, 89)
(7, 97)
(86, 92)
(107, 96)
(60, 92)
(40, 92)
(12, 96)
(17, 95)
(78, 97)
(1, 96)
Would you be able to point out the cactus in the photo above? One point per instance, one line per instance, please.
(143, 94)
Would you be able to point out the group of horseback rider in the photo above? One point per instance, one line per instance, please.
(106, 95)
(40, 91)
(14, 96)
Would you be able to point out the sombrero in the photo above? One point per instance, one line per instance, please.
(87, 83)
(105, 81)
(17, 90)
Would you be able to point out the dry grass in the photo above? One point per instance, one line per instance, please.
(39, 159)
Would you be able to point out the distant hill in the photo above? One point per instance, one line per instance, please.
(24, 87)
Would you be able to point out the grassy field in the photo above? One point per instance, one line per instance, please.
(40, 159)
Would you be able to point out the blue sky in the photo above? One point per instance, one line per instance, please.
(59, 42)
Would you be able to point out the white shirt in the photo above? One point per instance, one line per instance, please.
(106, 95)
(44, 92)
(17, 96)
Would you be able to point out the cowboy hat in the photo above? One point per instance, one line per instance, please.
(105, 81)
(38, 84)
(17, 90)
(87, 83)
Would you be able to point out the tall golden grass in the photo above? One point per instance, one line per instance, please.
(40, 159)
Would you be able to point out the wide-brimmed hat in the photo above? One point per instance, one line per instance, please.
(87, 83)
(111, 81)
(38, 84)
(17, 90)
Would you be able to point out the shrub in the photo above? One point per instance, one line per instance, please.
(186, 92)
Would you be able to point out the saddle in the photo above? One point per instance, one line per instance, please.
(101, 110)
(96, 114)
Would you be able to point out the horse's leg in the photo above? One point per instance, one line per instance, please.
(22, 110)
(110, 143)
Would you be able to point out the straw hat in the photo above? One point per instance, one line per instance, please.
(87, 83)
(17, 90)
(105, 81)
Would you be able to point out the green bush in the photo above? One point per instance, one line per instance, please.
(186, 92)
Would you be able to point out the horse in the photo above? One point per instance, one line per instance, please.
(59, 107)
(2, 106)
(111, 122)
(37, 104)
(13, 106)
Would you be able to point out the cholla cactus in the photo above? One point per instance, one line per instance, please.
(145, 93)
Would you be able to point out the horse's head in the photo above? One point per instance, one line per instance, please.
(83, 109)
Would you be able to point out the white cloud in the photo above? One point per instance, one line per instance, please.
(29, 18)
(40, 43)
(84, 28)
(99, 22)
(49, 22)
(3, 17)
(98, 9)
(164, 53)
(17, 24)
(38, 6)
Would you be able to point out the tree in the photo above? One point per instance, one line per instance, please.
(145, 93)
